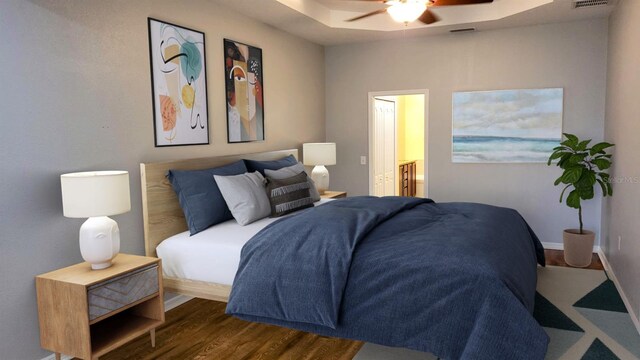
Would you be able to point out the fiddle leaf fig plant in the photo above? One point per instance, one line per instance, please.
(582, 167)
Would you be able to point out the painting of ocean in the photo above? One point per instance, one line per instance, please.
(515, 126)
(474, 149)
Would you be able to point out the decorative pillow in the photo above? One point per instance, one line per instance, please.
(292, 170)
(255, 165)
(200, 197)
(245, 196)
(288, 195)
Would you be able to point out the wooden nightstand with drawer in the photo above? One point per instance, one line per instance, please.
(86, 313)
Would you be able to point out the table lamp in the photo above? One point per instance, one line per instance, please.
(96, 195)
(319, 155)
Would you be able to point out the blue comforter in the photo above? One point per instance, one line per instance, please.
(454, 279)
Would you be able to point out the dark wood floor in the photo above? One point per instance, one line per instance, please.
(199, 329)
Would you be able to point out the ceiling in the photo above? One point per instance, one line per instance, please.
(322, 21)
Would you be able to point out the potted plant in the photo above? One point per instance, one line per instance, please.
(583, 167)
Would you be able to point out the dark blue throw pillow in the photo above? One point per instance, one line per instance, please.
(255, 165)
(200, 197)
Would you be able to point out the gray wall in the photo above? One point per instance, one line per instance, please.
(569, 55)
(76, 95)
(622, 211)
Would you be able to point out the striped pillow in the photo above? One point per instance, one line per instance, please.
(288, 195)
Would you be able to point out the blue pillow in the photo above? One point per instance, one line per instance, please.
(255, 165)
(200, 197)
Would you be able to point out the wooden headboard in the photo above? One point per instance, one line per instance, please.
(161, 211)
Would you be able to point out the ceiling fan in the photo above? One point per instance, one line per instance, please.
(406, 11)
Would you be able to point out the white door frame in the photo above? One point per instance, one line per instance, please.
(393, 100)
(371, 104)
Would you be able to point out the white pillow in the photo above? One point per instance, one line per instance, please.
(289, 171)
(245, 196)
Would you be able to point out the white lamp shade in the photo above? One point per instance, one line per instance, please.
(95, 193)
(319, 154)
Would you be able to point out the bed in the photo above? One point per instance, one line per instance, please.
(457, 280)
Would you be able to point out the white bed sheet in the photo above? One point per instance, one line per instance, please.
(212, 255)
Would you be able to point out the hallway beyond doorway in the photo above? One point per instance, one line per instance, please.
(397, 143)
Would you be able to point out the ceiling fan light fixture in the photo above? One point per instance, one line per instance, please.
(406, 11)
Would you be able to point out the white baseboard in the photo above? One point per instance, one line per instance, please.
(553, 246)
(560, 246)
(172, 303)
(176, 301)
(627, 303)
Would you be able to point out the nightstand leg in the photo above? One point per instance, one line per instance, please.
(58, 357)
(153, 337)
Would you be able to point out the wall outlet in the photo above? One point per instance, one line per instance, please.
(619, 242)
(363, 160)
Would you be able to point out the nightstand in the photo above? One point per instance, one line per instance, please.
(86, 313)
(334, 194)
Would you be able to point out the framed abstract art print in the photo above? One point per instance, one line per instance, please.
(244, 92)
(179, 85)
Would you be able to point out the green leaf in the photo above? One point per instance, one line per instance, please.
(587, 179)
(586, 193)
(584, 186)
(603, 156)
(603, 187)
(604, 176)
(563, 160)
(563, 190)
(560, 148)
(576, 158)
(573, 200)
(607, 182)
(583, 145)
(602, 164)
(572, 175)
(599, 147)
(557, 182)
(555, 155)
(572, 138)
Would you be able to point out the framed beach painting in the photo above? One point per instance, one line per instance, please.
(506, 126)
(179, 85)
(244, 90)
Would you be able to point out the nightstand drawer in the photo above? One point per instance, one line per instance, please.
(121, 291)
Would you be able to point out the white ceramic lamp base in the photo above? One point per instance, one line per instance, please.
(320, 175)
(99, 241)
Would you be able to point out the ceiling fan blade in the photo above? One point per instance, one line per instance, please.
(368, 14)
(428, 17)
(459, 2)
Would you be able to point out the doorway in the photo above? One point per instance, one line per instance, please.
(398, 123)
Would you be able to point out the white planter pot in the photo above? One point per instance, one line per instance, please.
(578, 248)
